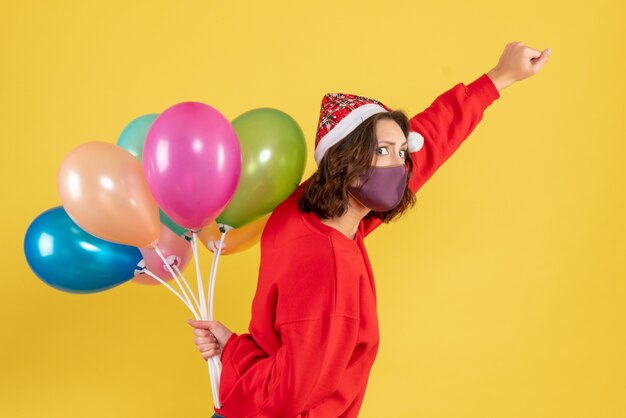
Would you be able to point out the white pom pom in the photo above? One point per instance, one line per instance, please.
(415, 141)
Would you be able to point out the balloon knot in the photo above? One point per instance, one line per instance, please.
(140, 268)
(224, 228)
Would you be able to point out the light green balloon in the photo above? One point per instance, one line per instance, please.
(134, 134)
(273, 151)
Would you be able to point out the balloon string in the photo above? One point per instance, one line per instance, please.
(214, 264)
(193, 296)
(164, 283)
(180, 286)
(213, 363)
(215, 368)
(194, 248)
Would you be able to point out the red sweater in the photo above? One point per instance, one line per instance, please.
(313, 335)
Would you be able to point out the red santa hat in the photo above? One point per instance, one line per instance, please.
(341, 114)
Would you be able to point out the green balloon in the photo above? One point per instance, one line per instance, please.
(134, 134)
(273, 151)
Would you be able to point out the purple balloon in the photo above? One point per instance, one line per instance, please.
(192, 163)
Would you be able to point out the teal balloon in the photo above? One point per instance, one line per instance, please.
(273, 150)
(70, 259)
(134, 134)
(177, 229)
(132, 139)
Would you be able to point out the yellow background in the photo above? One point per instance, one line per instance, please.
(502, 294)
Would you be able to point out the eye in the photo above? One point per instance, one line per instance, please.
(382, 151)
(403, 153)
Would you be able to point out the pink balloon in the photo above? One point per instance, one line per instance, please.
(192, 163)
(175, 249)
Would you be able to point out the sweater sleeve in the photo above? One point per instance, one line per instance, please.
(317, 342)
(439, 130)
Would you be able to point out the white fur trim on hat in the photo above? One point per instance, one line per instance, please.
(346, 125)
(415, 141)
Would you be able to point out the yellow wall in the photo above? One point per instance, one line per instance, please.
(500, 295)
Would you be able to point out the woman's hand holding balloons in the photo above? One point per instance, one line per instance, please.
(211, 337)
(187, 161)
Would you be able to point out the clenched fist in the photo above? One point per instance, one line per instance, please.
(516, 63)
(211, 336)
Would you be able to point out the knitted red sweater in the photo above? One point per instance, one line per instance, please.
(313, 335)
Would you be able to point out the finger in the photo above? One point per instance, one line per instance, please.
(201, 340)
(198, 324)
(202, 324)
(208, 347)
(202, 332)
(210, 339)
(533, 53)
(539, 63)
(208, 354)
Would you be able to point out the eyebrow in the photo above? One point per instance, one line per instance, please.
(390, 143)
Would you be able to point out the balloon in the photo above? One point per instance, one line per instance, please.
(68, 258)
(132, 139)
(274, 154)
(103, 190)
(134, 134)
(236, 240)
(166, 221)
(192, 163)
(175, 249)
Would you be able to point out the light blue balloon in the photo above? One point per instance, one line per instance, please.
(70, 259)
(134, 134)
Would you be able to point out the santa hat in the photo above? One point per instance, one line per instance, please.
(341, 114)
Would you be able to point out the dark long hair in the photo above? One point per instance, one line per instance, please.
(326, 191)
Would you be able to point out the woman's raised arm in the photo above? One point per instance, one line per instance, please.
(439, 130)
(451, 118)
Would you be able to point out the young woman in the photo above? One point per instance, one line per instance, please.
(313, 335)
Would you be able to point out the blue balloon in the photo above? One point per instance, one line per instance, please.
(68, 258)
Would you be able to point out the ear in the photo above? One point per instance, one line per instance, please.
(415, 141)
